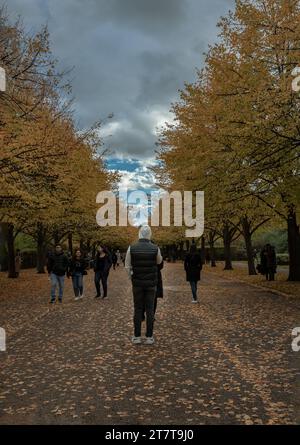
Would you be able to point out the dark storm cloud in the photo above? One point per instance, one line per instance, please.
(130, 58)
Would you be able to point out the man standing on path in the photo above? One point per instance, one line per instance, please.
(141, 263)
(57, 267)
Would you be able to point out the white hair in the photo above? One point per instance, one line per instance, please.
(145, 232)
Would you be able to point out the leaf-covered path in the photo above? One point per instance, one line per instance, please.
(227, 360)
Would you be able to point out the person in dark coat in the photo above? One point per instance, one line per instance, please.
(114, 259)
(102, 265)
(262, 267)
(193, 267)
(271, 262)
(57, 267)
(77, 269)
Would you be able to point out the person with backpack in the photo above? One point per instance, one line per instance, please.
(193, 267)
(77, 269)
(57, 267)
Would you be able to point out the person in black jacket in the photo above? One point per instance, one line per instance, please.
(271, 262)
(193, 267)
(57, 267)
(77, 268)
(102, 265)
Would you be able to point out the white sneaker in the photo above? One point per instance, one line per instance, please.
(77, 298)
(195, 301)
(81, 296)
(136, 340)
(149, 341)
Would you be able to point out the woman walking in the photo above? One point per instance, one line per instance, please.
(77, 268)
(102, 265)
(193, 266)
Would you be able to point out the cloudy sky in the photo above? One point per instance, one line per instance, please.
(130, 58)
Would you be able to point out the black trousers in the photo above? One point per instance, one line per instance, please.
(144, 300)
(270, 275)
(101, 276)
(155, 307)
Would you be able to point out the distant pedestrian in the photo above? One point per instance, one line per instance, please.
(89, 260)
(193, 267)
(102, 265)
(77, 269)
(207, 256)
(18, 262)
(141, 263)
(271, 263)
(123, 258)
(57, 267)
(114, 260)
(119, 258)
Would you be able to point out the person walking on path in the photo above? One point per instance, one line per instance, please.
(102, 265)
(77, 269)
(268, 262)
(18, 262)
(271, 262)
(119, 258)
(193, 267)
(57, 267)
(114, 260)
(141, 263)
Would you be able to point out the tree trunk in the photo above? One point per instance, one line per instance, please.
(70, 243)
(227, 238)
(294, 246)
(41, 249)
(212, 250)
(11, 251)
(248, 242)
